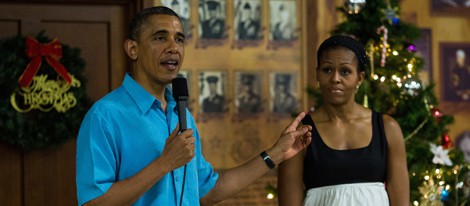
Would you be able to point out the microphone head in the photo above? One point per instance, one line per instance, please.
(180, 88)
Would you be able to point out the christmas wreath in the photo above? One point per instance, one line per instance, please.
(42, 91)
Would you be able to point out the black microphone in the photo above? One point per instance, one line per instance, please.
(181, 95)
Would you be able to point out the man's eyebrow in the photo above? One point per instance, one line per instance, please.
(181, 34)
(164, 32)
(160, 32)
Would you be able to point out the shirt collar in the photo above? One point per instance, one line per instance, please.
(141, 97)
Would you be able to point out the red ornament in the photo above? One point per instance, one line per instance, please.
(52, 52)
(446, 142)
(437, 114)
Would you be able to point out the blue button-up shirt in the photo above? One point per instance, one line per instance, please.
(123, 133)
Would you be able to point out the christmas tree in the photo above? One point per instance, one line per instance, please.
(393, 87)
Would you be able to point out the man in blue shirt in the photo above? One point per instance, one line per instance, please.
(129, 148)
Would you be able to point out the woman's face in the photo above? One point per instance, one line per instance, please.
(338, 76)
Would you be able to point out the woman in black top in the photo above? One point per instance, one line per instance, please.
(357, 156)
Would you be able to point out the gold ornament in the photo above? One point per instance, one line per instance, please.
(45, 95)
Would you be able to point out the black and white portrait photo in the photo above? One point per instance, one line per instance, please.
(248, 92)
(247, 20)
(456, 71)
(212, 92)
(183, 9)
(212, 16)
(283, 20)
(283, 89)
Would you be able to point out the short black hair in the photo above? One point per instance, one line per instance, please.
(347, 42)
(140, 19)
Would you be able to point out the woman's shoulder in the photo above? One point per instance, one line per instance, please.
(390, 122)
(392, 130)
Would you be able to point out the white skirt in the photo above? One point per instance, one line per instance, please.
(357, 194)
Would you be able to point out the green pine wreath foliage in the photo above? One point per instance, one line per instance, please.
(36, 129)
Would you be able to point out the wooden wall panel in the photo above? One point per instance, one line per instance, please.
(47, 176)
(9, 28)
(11, 178)
(11, 158)
(94, 45)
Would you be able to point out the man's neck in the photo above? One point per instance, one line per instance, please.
(156, 89)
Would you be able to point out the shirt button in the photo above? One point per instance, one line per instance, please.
(177, 178)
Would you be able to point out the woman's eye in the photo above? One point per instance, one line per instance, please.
(345, 71)
(326, 70)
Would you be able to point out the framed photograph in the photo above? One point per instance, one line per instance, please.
(424, 50)
(462, 143)
(451, 7)
(212, 17)
(283, 21)
(248, 92)
(455, 76)
(212, 92)
(247, 20)
(283, 93)
(183, 9)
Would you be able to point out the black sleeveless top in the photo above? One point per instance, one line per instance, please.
(324, 166)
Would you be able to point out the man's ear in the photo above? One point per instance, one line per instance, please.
(130, 46)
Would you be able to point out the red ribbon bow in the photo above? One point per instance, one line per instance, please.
(52, 51)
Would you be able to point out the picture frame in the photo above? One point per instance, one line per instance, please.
(183, 9)
(212, 23)
(247, 23)
(212, 92)
(450, 7)
(212, 19)
(462, 143)
(283, 23)
(283, 93)
(248, 93)
(455, 76)
(424, 50)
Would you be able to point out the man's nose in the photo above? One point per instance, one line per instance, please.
(172, 47)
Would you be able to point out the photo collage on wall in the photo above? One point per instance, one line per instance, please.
(212, 27)
(214, 99)
(243, 94)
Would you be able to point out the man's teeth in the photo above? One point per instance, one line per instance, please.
(170, 62)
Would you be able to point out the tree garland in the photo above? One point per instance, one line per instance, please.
(37, 129)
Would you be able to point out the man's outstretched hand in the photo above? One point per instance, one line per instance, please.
(294, 138)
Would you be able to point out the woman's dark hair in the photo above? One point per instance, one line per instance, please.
(140, 19)
(344, 42)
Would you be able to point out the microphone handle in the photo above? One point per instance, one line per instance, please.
(182, 115)
(183, 126)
